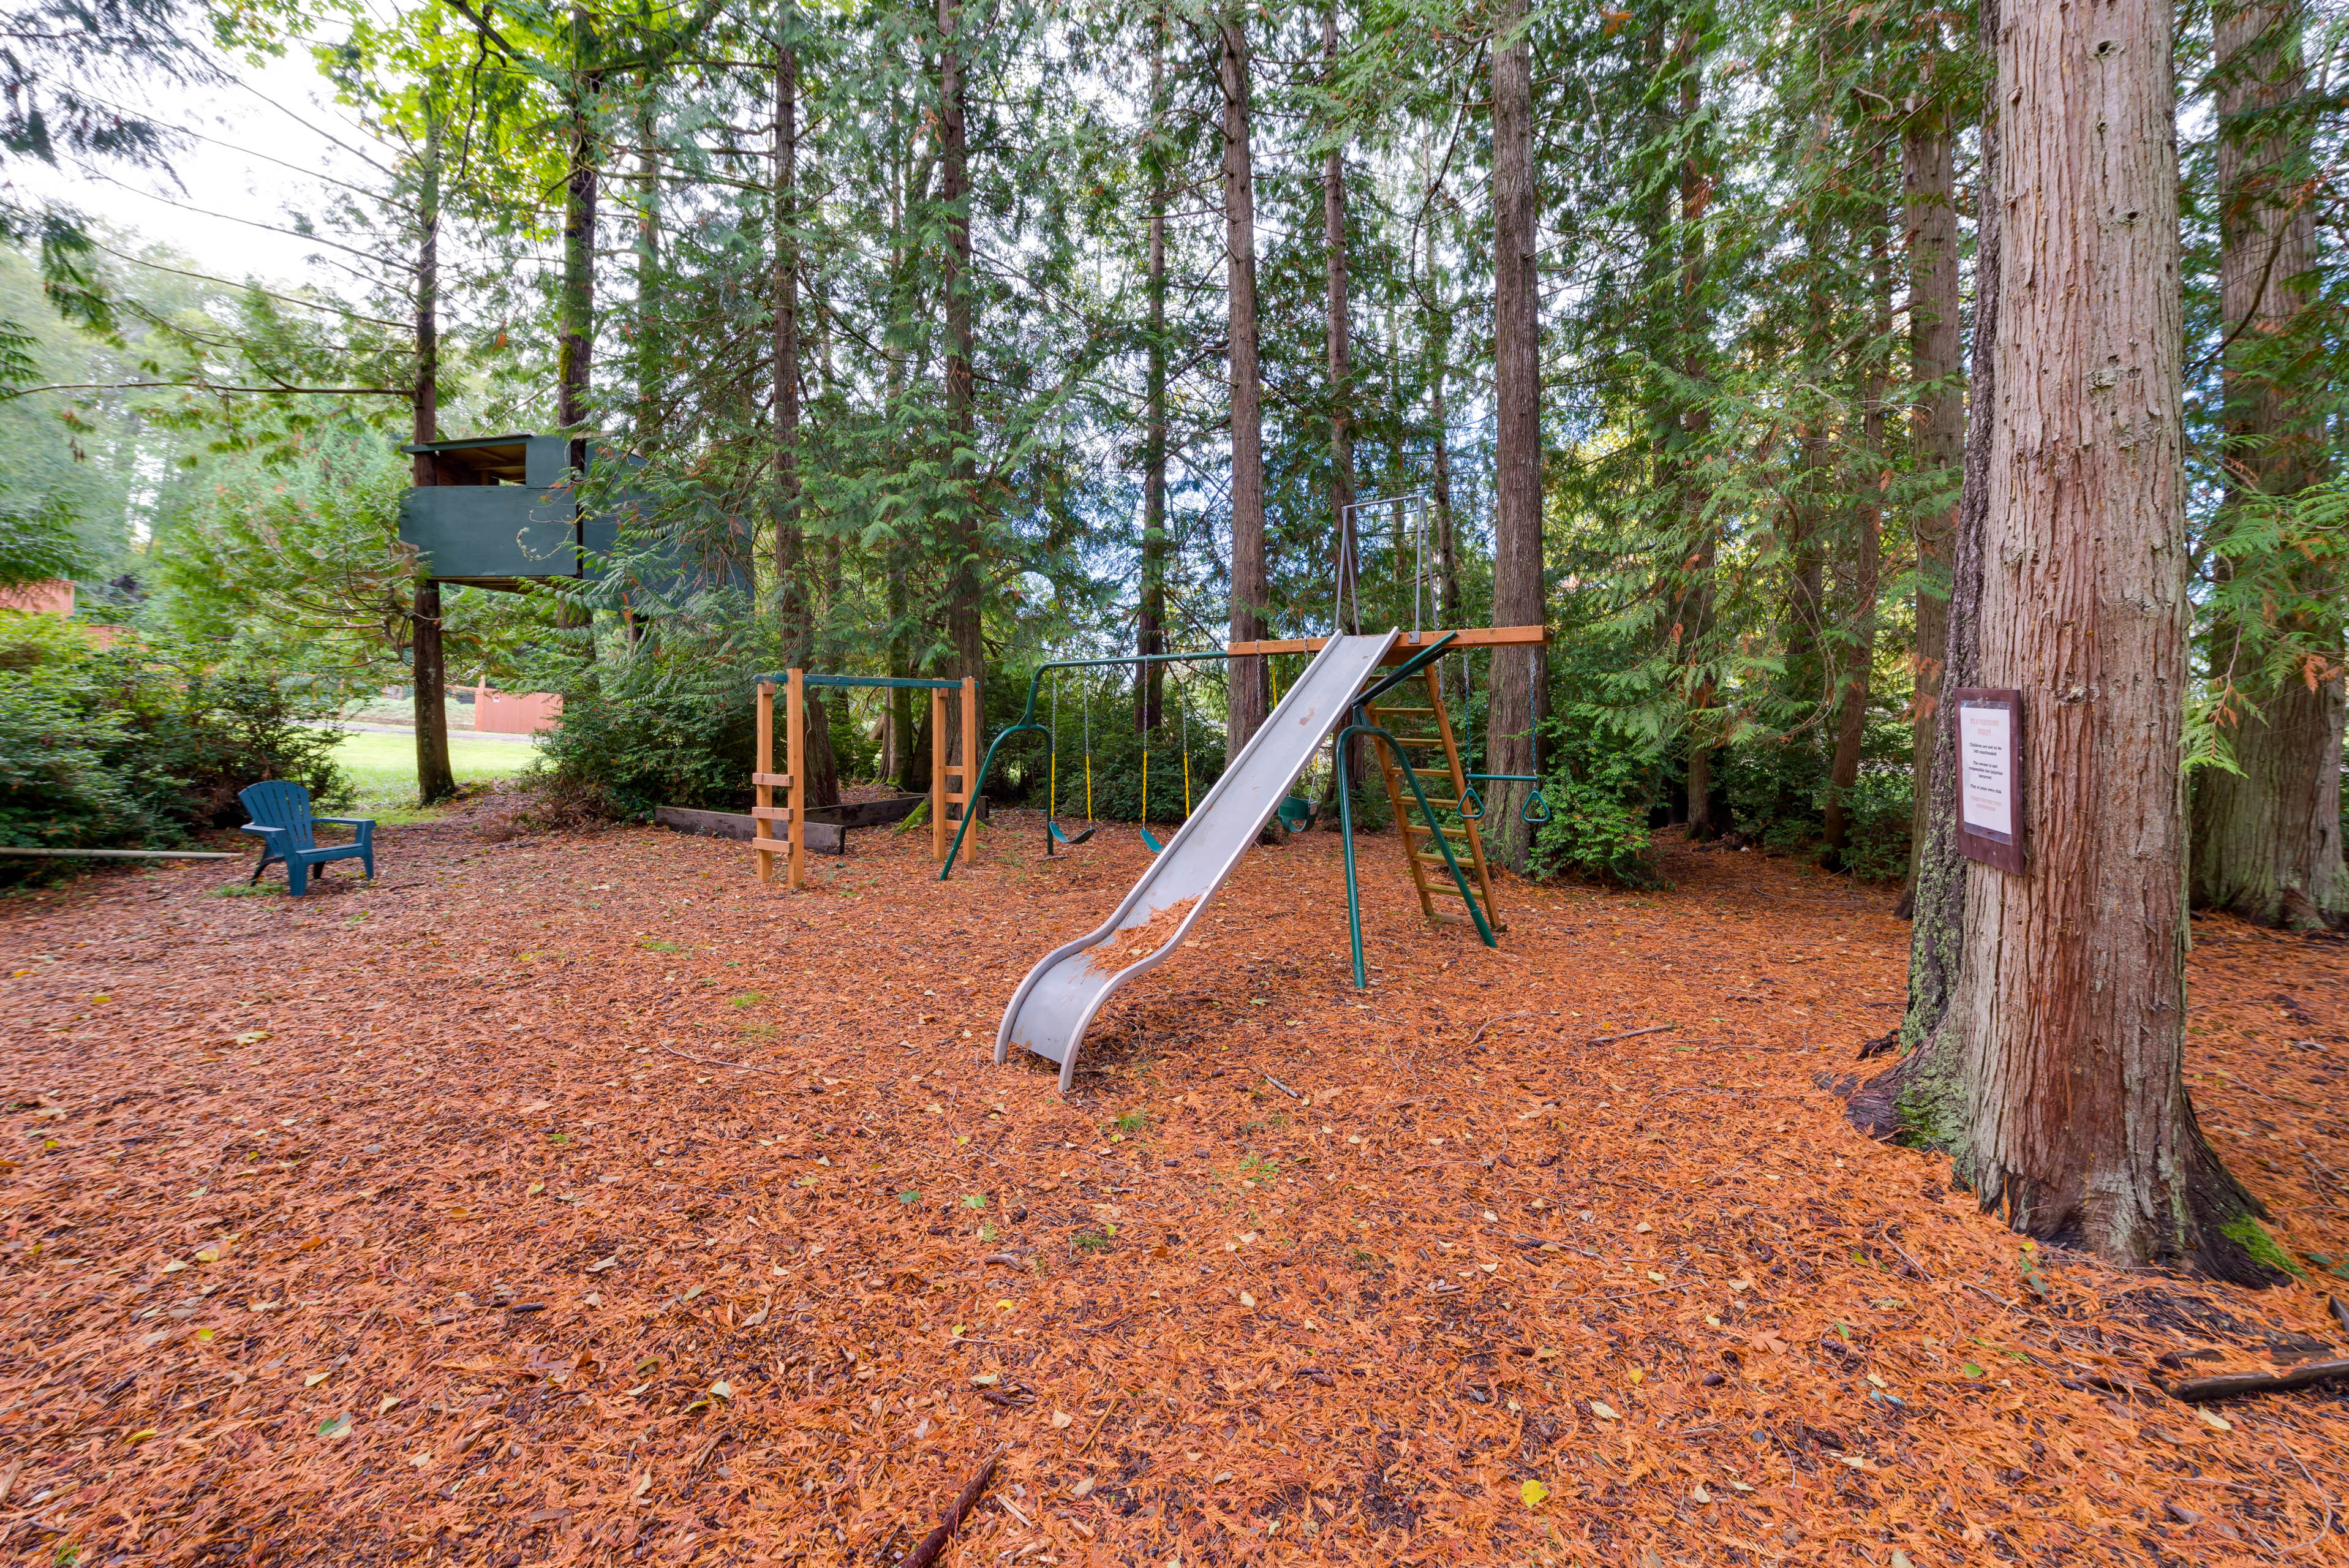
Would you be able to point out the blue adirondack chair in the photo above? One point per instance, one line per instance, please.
(282, 821)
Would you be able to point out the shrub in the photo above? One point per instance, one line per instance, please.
(1599, 792)
(1878, 810)
(674, 722)
(142, 743)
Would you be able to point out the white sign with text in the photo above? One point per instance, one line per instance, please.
(1986, 767)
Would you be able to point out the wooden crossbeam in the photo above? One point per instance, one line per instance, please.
(1407, 645)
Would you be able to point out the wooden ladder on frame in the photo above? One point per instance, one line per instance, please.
(1422, 733)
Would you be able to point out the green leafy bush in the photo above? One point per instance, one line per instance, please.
(1598, 791)
(142, 743)
(1878, 811)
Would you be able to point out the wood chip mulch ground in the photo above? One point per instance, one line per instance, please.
(574, 1198)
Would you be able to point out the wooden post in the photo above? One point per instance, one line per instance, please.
(937, 775)
(797, 763)
(971, 753)
(762, 827)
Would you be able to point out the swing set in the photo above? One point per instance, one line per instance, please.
(1054, 834)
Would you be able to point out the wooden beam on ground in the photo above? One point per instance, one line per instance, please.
(1407, 645)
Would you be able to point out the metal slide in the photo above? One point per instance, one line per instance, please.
(1056, 1004)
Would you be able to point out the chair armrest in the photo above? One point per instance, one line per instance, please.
(347, 821)
(257, 829)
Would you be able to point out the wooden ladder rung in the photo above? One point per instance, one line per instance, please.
(772, 780)
(772, 813)
(1385, 712)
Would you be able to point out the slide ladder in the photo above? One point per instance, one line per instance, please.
(1427, 738)
(1059, 1000)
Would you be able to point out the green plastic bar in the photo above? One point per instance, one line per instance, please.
(1346, 816)
(1028, 721)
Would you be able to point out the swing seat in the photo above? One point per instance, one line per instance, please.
(1065, 838)
(1150, 842)
(1297, 813)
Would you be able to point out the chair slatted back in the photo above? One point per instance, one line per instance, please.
(275, 803)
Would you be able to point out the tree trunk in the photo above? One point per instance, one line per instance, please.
(2071, 993)
(1151, 622)
(1693, 619)
(1860, 653)
(2266, 842)
(1337, 321)
(647, 345)
(1249, 697)
(1922, 1097)
(435, 781)
(1930, 217)
(1517, 598)
(1449, 609)
(576, 347)
(794, 603)
(963, 575)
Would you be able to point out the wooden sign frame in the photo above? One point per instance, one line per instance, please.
(1980, 840)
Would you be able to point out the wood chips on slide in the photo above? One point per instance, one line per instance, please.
(379, 1226)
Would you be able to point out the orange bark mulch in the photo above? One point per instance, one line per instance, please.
(574, 1198)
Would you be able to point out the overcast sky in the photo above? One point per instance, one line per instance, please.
(269, 149)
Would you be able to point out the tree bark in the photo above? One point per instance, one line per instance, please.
(2071, 993)
(1517, 597)
(1860, 650)
(964, 580)
(647, 345)
(1151, 621)
(1692, 620)
(794, 602)
(574, 348)
(2267, 840)
(435, 781)
(1338, 320)
(1922, 1097)
(1929, 218)
(1249, 698)
(1449, 609)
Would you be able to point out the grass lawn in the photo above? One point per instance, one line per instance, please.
(382, 767)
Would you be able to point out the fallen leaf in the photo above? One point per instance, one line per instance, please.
(1603, 1412)
(600, 1264)
(1062, 1420)
(1084, 1484)
(1532, 1492)
(722, 1389)
(315, 1378)
(388, 1401)
(1699, 1492)
(2215, 1421)
(986, 1379)
(336, 1427)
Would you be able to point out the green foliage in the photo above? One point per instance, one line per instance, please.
(42, 542)
(139, 744)
(1879, 811)
(1599, 791)
(671, 722)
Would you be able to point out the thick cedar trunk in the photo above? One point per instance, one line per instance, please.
(794, 602)
(2266, 842)
(1338, 319)
(2070, 1000)
(1859, 649)
(434, 780)
(1249, 695)
(1929, 218)
(963, 575)
(1517, 598)
(1150, 633)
